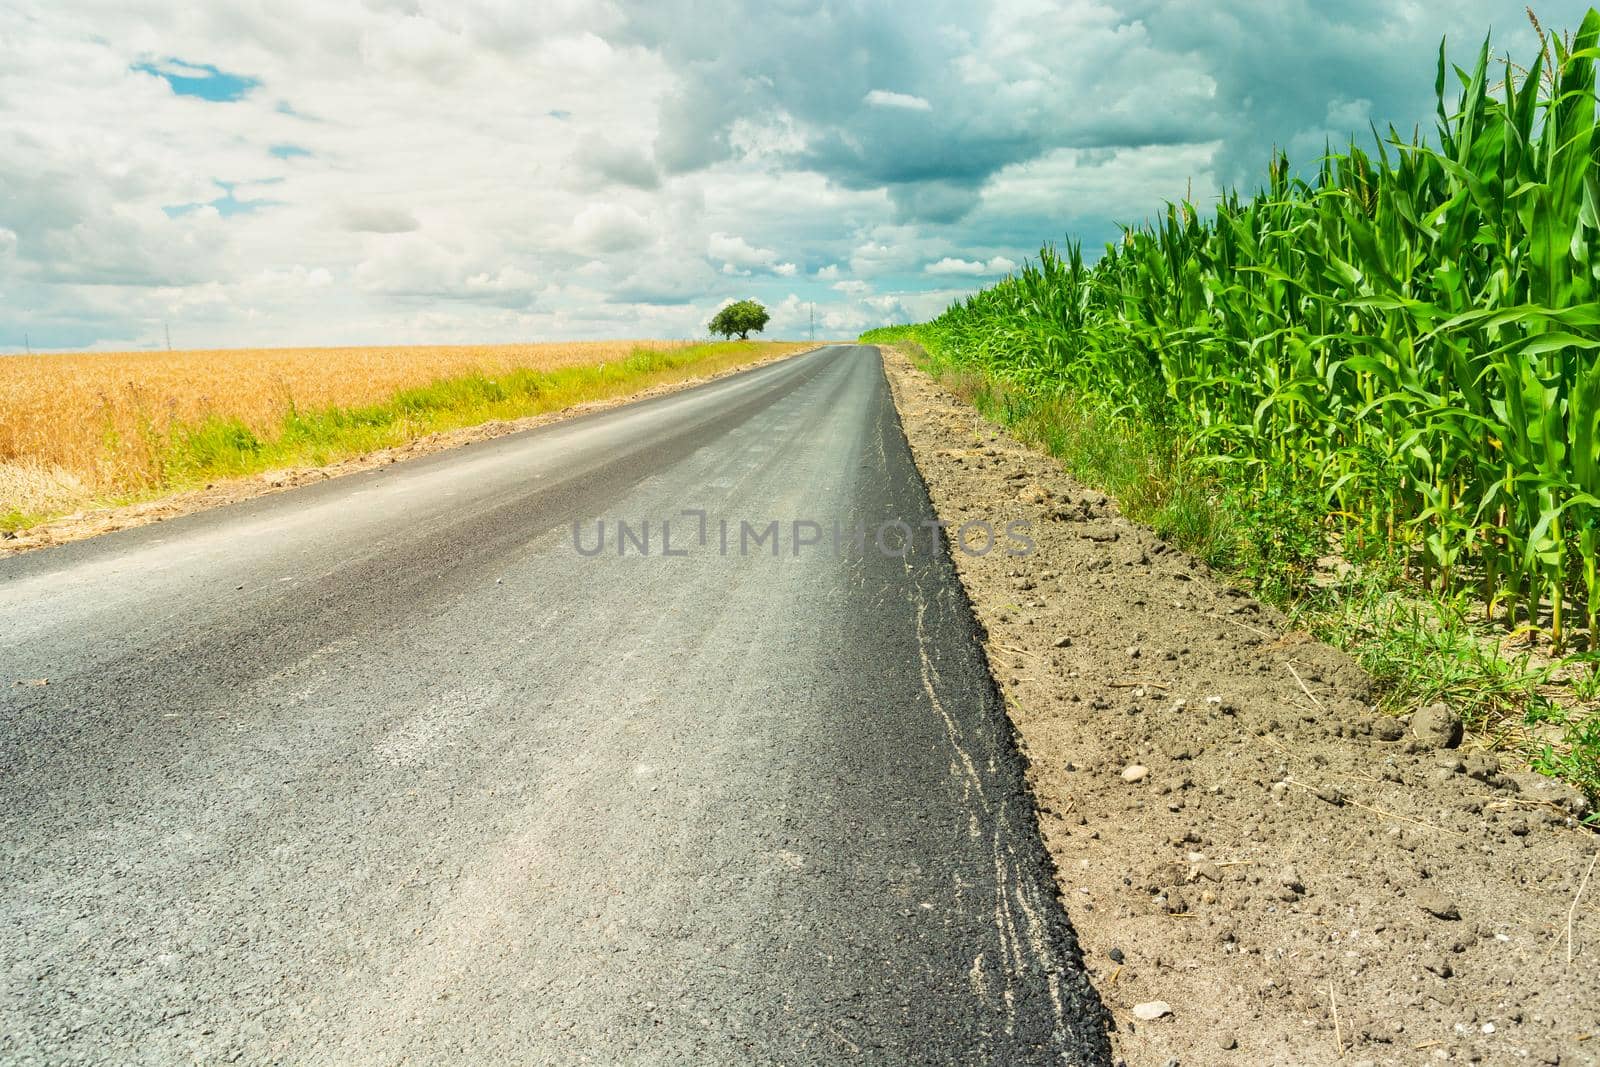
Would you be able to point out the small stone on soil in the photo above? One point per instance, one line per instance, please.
(1152, 1010)
(1437, 904)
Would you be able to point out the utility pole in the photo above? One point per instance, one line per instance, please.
(26, 343)
(168, 328)
(813, 321)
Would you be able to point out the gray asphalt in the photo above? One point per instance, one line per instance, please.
(386, 770)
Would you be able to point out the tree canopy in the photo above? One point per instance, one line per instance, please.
(742, 318)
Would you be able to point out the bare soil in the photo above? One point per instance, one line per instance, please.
(92, 523)
(1239, 837)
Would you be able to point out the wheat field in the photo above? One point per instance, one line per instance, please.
(77, 425)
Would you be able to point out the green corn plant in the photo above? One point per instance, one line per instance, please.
(1409, 335)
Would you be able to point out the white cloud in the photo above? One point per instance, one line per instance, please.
(624, 164)
(606, 227)
(734, 251)
(971, 267)
(415, 266)
(422, 171)
(1105, 185)
(901, 101)
(951, 265)
(890, 249)
(297, 277)
(374, 218)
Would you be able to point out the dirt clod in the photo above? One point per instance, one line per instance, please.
(1537, 787)
(1386, 729)
(1437, 726)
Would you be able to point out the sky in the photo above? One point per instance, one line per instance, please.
(307, 172)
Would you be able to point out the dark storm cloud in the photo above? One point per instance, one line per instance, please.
(1293, 73)
(906, 98)
(1247, 74)
(818, 65)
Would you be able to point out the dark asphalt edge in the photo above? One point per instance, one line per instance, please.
(15, 565)
(1039, 863)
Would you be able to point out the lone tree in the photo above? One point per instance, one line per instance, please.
(740, 318)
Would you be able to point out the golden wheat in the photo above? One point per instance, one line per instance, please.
(57, 412)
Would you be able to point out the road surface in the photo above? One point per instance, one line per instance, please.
(395, 768)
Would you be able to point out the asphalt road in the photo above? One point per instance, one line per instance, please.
(388, 770)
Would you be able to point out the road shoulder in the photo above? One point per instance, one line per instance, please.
(1259, 869)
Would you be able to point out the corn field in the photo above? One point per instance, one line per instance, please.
(1410, 334)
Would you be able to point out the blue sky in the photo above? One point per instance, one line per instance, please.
(199, 80)
(334, 173)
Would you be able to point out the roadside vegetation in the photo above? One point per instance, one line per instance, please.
(104, 429)
(743, 317)
(1373, 393)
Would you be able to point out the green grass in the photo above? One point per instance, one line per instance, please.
(190, 455)
(1152, 477)
(1418, 644)
(1421, 647)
